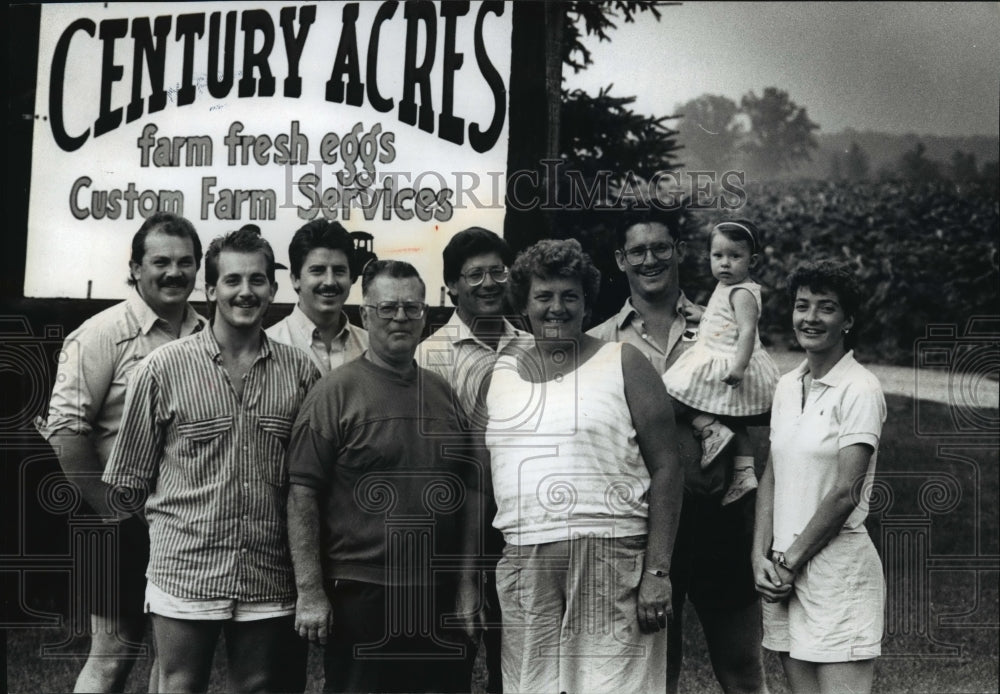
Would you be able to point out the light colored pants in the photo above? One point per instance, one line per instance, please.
(569, 619)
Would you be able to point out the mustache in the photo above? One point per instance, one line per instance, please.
(328, 289)
(173, 282)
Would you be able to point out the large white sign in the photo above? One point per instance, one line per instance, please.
(388, 117)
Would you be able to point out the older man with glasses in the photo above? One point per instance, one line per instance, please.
(383, 507)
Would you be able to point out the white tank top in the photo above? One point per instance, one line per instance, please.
(564, 457)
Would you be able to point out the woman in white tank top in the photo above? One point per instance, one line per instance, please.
(588, 492)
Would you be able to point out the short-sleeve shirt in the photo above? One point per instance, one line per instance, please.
(463, 360)
(96, 363)
(391, 465)
(628, 326)
(213, 465)
(298, 331)
(843, 408)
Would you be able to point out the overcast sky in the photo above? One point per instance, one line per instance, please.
(925, 68)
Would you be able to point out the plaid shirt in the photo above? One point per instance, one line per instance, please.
(213, 466)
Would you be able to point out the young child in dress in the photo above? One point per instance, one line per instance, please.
(727, 375)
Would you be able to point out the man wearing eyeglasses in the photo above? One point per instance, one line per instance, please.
(711, 558)
(382, 507)
(465, 348)
(463, 351)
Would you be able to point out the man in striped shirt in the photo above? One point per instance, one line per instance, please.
(203, 437)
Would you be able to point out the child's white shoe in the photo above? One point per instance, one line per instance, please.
(744, 481)
(715, 436)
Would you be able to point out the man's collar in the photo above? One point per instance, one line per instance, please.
(624, 316)
(206, 339)
(147, 317)
(301, 323)
(456, 330)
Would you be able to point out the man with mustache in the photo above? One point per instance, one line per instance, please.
(203, 440)
(84, 417)
(463, 351)
(322, 270)
(711, 557)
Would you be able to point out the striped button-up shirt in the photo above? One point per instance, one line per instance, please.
(213, 467)
(298, 331)
(463, 360)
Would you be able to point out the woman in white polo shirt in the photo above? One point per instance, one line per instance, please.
(815, 566)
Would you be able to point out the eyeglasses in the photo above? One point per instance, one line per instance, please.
(387, 310)
(660, 251)
(477, 275)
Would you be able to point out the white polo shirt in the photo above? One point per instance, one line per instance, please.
(843, 408)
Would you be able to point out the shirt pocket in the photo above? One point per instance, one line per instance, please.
(205, 430)
(275, 431)
(203, 446)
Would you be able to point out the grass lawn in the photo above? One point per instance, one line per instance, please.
(934, 520)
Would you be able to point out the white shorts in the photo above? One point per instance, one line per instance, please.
(166, 605)
(836, 611)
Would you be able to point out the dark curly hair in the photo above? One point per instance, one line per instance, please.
(630, 217)
(468, 243)
(245, 240)
(320, 233)
(165, 223)
(549, 259)
(836, 278)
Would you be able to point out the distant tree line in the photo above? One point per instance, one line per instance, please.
(912, 165)
(766, 136)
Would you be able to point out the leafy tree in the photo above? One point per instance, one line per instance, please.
(990, 172)
(836, 168)
(595, 19)
(597, 138)
(709, 131)
(915, 166)
(963, 167)
(601, 133)
(781, 133)
(856, 164)
(601, 139)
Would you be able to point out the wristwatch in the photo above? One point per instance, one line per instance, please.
(659, 573)
(779, 559)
